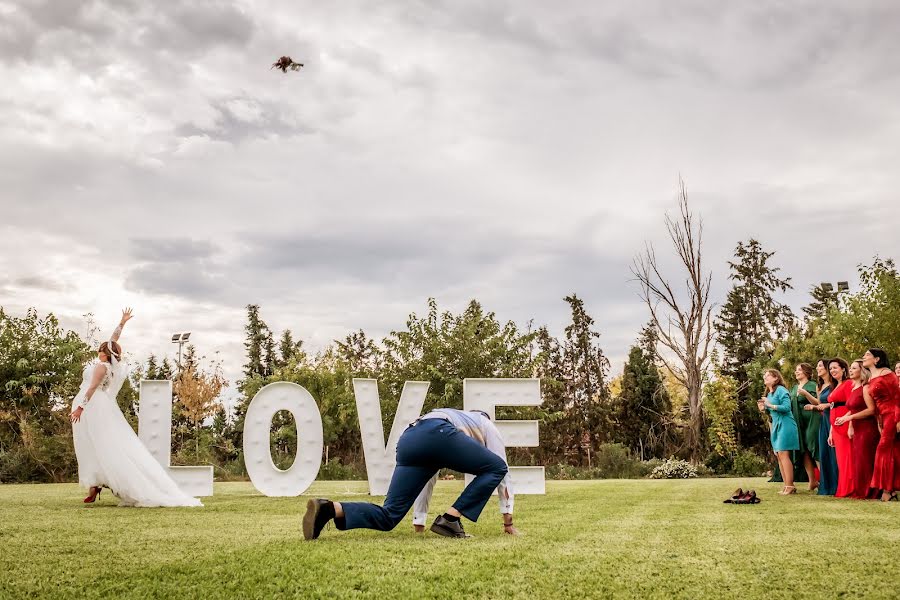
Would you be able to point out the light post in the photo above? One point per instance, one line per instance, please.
(180, 339)
(842, 286)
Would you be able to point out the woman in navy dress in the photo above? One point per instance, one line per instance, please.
(828, 473)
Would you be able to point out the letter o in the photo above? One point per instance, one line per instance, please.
(265, 476)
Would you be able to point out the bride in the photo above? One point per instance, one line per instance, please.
(108, 451)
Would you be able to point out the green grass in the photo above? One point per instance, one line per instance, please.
(613, 538)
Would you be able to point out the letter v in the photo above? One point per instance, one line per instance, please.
(380, 458)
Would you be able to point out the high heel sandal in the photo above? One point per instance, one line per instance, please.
(93, 497)
(788, 490)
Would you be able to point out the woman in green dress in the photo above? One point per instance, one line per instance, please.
(807, 420)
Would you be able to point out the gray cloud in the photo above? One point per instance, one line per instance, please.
(513, 152)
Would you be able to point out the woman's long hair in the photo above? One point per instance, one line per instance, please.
(845, 368)
(863, 372)
(111, 350)
(828, 380)
(778, 376)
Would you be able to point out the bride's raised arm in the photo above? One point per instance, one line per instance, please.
(126, 316)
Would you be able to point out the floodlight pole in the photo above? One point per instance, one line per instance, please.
(180, 339)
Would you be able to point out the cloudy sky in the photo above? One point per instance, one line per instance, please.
(513, 152)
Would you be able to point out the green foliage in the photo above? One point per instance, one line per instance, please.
(720, 402)
(40, 370)
(748, 464)
(444, 349)
(855, 322)
(643, 408)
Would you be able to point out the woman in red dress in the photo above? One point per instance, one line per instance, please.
(838, 438)
(862, 430)
(885, 391)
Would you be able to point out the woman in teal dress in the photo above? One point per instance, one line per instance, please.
(807, 421)
(785, 437)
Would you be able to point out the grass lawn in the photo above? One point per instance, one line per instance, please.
(613, 538)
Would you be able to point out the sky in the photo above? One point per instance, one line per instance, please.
(514, 152)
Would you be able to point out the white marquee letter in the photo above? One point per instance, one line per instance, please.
(486, 395)
(155, 432)
(265, 476)
(381, 459)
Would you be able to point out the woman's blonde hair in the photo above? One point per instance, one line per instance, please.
(864, 373)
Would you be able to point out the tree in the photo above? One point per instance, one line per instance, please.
(40, 367)
(683, 321)
(750, 322)
(255, 331)
(198, 392)
(584, 373)
(643, 406)
(720, 403)
(822, 300)
(444, 349)
(272, 362)
(288, 348)
(360, 353)
(857, 321)
(558, 438)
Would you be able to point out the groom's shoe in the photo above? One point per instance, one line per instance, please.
(318, 512)
(442, 526)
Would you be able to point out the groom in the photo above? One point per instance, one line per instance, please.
(466, 441)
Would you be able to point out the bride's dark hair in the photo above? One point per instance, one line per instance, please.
(116, 349)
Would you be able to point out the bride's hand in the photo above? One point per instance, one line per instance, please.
(126, 315)
(75, 416)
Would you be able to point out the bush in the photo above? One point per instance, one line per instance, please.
(610, 461)
(719, 464)
(749, 464)
(614, 461)
(674, 469)
(646, 467)
(335, 470)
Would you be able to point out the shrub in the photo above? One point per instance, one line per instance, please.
(719, 464)
(674, 469)
(334, 469)
(645, 468)
(614, 461)
(749, 464)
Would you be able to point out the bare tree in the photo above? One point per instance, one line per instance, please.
(683, 321)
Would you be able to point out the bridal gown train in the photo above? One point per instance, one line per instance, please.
(109, 452)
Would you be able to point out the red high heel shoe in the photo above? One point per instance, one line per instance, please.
(93, 497)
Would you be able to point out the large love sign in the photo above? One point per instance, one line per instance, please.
(155, 421)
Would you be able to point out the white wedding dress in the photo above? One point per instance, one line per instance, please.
(109, 452)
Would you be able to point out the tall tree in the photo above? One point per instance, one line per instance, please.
(643, 406)
(288, 348)
(748, 325)
(558, 438)
(822, 300)
(683, 320)
(751, 318)
(255, 337)
(585, 369)
(271, 360)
